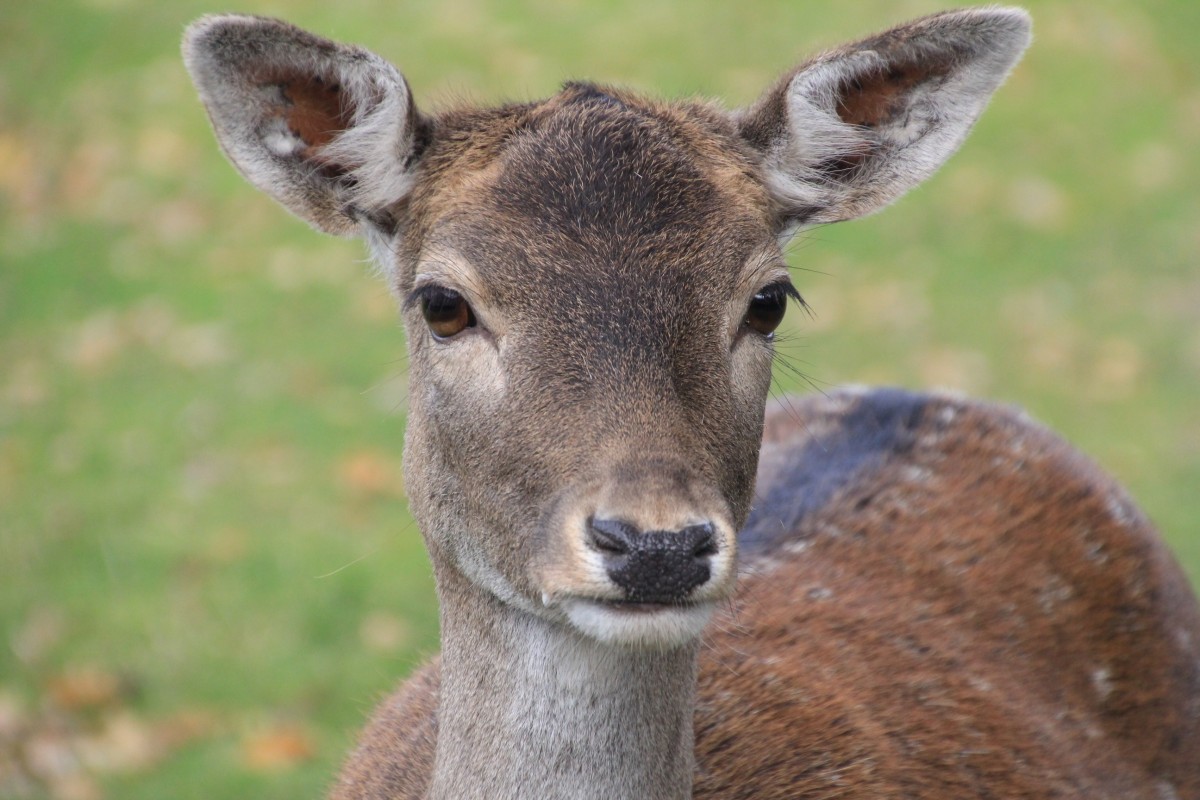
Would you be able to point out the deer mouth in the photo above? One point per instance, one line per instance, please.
(644, 607)
(638, 624)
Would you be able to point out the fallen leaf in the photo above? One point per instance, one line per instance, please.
(49, 755)
(367, 472)
(124, 743)
(76, 787)
(277, 749)
(96, 343)
(184, 727)
(84, 687)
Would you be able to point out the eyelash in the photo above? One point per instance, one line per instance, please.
(767, 308)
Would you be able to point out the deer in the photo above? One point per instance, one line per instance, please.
(655, 581)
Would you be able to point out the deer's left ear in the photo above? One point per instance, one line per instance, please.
(852, 130)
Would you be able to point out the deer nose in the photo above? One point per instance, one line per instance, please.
(654, 566)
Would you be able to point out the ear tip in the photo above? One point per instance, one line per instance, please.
(213, 35)
(202, 37)
(1014, 31)
(1012, 22)
(996, 34)
(1013, 13)
(205, 28)
(219, 44)
(1016, 20)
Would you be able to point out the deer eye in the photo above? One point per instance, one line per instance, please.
(767, 307)
(446, 312)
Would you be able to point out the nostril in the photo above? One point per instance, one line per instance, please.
(702, 539)
(612, 536)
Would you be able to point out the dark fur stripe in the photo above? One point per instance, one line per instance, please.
(883, 424)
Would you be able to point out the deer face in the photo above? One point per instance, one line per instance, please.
(590, 284)
(589, 306)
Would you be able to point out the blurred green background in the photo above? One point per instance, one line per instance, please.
(207, 571)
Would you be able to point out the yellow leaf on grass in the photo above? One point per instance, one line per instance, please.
(84, 687)
(279, 748)
(368, 472)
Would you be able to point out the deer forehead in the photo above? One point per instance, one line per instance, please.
(592, 194)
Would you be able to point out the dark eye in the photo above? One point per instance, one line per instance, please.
(768, 306)
(446, 311)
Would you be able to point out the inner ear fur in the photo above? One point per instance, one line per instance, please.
(328, 130)
(853, 129)
(314, 110)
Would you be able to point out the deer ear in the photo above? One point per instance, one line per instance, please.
(328, 130)
(853, 129)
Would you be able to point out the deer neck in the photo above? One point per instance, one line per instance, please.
(530, 708)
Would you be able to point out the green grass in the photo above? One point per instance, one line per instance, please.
(202, 401)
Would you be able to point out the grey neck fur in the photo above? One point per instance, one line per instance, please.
(530, 708)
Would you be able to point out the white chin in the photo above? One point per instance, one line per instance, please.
(659, 628)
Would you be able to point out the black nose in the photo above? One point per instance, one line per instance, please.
(654, 566)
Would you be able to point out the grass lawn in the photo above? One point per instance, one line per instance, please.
(207, 569)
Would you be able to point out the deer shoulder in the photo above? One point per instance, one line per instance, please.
(952, 602)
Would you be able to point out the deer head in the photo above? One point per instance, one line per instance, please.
(590, 286)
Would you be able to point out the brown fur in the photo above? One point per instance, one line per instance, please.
(315, 112)
(985, 614)
(880, 97)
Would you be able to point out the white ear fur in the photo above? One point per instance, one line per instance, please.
(328, 130)
(854, 129)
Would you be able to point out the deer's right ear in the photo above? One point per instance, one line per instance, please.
(328, 130)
